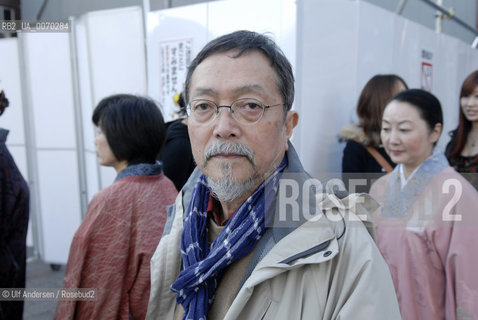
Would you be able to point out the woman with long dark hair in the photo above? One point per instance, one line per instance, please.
(462, 150)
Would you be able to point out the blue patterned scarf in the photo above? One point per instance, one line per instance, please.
(203, 267)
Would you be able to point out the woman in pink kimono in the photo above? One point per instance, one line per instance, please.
(112, 248)
(427, 226)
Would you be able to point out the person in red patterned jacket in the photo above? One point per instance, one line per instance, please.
(111, 249)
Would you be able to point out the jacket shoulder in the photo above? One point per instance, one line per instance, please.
(361, 277)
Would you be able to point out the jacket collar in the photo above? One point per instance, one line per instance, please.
(141, 169)
(356, 133)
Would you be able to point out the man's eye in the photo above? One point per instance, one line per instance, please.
(201, 107)
(252, 106)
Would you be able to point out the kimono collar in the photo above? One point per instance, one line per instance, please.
(142, 169)
(399, 200)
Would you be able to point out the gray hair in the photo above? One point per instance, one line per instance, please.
(247, 41)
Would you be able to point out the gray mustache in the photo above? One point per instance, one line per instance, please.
(229, 148)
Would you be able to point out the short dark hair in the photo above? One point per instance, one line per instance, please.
(246, 41)
(133, 126)
(372, 101)
(427, 105)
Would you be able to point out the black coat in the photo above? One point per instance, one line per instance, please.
(358, 163)
(14, 205)
(176, 156)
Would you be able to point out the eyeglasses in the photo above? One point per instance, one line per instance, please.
(246, 111)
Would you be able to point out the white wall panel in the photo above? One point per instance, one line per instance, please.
(60, 205)
(86, 95)
(86, 106)
(447, 84)
(91, 164)
(410, 39)
(107, 176)
(116, 52)
(53, 140)
(326, 79)
(49, 68)
(228, 16)
(372, 38)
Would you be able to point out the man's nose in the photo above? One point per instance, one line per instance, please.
(225, 126)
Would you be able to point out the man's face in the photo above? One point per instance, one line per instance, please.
(224, 79)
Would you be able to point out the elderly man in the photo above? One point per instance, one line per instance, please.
(228, 249)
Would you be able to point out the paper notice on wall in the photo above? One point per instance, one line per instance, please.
(175, 57)
(426, 81)
(426, 74)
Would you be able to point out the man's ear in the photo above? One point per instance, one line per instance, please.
(291, 120)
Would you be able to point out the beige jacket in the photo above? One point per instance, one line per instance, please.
(322, 269)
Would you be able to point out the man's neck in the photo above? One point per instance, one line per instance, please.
(229, 208)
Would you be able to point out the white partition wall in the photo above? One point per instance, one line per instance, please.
(53, 154)
(85, 102)
(325, 78)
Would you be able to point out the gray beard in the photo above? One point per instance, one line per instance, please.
(227, 188)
